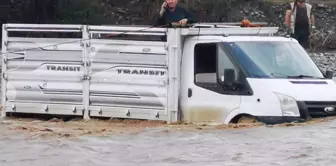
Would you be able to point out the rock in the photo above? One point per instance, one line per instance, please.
(326, 61)
(321, 6)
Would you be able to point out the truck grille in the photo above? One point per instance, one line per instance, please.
(316, 109)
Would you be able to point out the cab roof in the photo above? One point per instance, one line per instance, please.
(245, 38)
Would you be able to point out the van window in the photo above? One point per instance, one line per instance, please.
(210, 58)
(210, 62)
(205, 58)
(274, 59)
(205, 63)
(224, 62)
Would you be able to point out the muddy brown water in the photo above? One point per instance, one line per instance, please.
(26, 142)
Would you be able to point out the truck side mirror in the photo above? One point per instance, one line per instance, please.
(229, 77)
(329, 74)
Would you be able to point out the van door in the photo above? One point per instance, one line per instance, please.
(208, 100)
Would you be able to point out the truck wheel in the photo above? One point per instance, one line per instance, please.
(247, 120)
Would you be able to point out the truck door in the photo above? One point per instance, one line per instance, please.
(207, 100)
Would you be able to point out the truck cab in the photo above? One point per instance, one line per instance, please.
(270, 78)
(213, 74)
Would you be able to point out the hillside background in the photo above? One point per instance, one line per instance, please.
(128, 12)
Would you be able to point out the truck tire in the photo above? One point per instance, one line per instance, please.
(247, 120)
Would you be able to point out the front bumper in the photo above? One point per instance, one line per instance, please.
(308, 110)
(272, 120)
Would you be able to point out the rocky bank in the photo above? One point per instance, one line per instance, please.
(325, 60)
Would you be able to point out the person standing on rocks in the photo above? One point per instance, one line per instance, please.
(172, 13)
(300, 20)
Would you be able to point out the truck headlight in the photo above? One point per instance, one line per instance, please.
(288, 105)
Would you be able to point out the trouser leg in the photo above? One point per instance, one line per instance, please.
(302, 36)
(304, 39)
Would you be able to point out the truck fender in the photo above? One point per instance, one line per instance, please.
(231, 115)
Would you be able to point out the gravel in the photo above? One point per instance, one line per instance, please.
(326, 60)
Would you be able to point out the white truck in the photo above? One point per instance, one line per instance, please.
(213, 74)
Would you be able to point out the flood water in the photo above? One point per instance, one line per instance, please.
(24, 145)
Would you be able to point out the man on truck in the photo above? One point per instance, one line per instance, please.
(300, 20)
(172, 13)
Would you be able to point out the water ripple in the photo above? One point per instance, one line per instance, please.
(282, 146)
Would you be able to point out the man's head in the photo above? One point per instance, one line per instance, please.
(171, 4)
(300, 2)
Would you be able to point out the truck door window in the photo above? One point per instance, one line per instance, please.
(210, 61)
(224, 62)
(205, 62)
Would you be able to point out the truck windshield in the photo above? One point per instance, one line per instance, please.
(274, 59)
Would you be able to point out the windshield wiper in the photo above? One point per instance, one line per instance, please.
(304, 76)
(296, 76)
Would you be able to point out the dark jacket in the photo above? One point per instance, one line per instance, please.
(178, 14)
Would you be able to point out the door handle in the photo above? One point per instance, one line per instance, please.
(189, 92)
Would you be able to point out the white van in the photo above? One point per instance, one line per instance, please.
(202, 74)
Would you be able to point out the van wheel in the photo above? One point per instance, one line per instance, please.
(247, 120)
